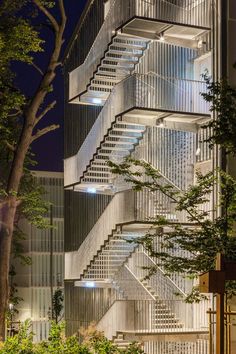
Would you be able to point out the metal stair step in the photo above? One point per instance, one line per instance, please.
(165, 315)
(118, 141)
(100, 169)
(118, 147)
(124, 137)
(110, 154)
(116, 253)
(98, 174)
(109, 260)
(128, 130)
(109, 63)
(129, 43)
(100, 158)
(108, 150)
(128, 38)
(92, 88)
(105, 77)
(166, 326)
(166, 320)
(122, 57)
(98, 266)
(118, 73)
(100, 164)
(102, 84)
(116, 49)
(93, 178)
(103, 80)
(134, 126)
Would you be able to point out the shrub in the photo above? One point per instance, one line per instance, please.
(94, 342)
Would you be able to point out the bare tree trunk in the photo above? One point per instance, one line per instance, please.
(6, 230)
(32, 116)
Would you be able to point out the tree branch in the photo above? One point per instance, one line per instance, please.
(45, 111)
(44, 131)
(47, 14)
(62, 11)
(11, 115)
(10, 146)
(37, 68)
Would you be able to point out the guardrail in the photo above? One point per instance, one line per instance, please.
(141, 316)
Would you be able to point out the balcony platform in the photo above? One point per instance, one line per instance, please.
(174, 33)
(174, 335)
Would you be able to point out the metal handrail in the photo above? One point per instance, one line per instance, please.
(166, 276)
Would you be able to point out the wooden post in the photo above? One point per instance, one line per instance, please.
(219, 312)
(228, 320)
(51, 259)
(210, 331)
(214, 282)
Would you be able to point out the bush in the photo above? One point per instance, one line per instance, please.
(94, 342)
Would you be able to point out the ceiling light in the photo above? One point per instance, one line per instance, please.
(90, 284)
(91, 190)
(160, 123)
(97, 101)
(162, 38)
(198, 151)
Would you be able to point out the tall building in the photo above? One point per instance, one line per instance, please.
(133, 78)
(36, 282)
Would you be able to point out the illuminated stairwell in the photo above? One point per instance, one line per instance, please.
(124, 36)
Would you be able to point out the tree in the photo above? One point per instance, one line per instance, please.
(19, 118)
(222, 98)
(205, 235)
(201, 236)
(57, 305)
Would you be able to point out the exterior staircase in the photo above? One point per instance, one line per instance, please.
(124, 36)
(119, 143)
(134, 105)
(119, 61)
(164, 319)
(121, 342)
(112, 255)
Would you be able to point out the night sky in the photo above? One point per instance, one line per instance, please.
(49, 148)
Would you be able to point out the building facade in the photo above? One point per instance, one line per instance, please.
(133, 77)
(45, 247)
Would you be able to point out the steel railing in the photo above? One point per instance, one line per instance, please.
(162, 286)
(146, 316)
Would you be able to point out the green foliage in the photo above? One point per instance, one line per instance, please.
(94, 343)
(203, 238)
(57, 302)
(133, 348)
(57, 343)
(222, 99)
(14, 298)
(47, 3)
(19, 41)
(21, 343)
